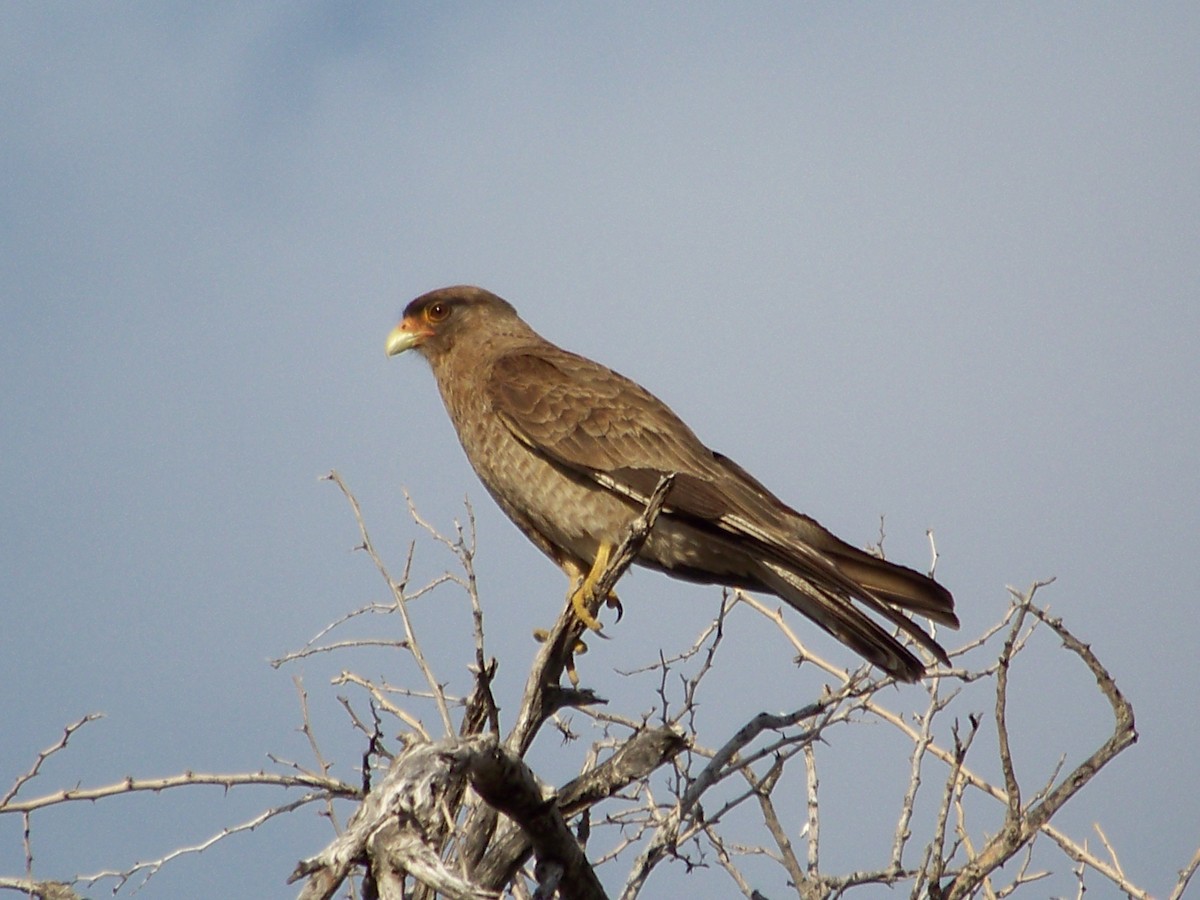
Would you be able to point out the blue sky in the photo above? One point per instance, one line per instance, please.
(937, 264)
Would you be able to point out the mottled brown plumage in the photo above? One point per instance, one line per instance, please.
(571, 451)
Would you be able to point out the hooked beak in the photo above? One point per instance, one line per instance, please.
(404, 337)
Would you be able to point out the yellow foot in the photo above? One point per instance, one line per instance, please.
(582, 597)
(572, 672)
(541, 635)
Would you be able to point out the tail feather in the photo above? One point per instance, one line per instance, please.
(899, 586)
(833, 610)
(823, 577)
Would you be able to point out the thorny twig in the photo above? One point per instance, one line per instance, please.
(401, 601)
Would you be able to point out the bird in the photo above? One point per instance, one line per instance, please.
(571, 452)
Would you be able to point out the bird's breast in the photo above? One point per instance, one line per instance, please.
(565, 510)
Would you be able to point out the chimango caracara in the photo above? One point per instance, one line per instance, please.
(571, 451)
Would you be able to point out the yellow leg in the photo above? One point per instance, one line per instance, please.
(582, 596)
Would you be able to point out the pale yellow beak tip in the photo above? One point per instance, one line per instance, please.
(400, 339)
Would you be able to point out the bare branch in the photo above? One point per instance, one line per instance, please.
(505, 782)
(409, 796)
(1185, 875)
(397, 591)
(150, 868)
(40, 890)
(762, 792)
(43, 755)
(1014, 835)
(813, 866)
(636, 758)
(156, 785)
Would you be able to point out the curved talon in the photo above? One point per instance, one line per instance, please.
(612, 601)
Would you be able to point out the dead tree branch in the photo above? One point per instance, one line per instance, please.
(462, 814)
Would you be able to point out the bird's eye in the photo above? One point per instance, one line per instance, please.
(437, 312)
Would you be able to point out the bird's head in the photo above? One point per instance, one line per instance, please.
(434, 322)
